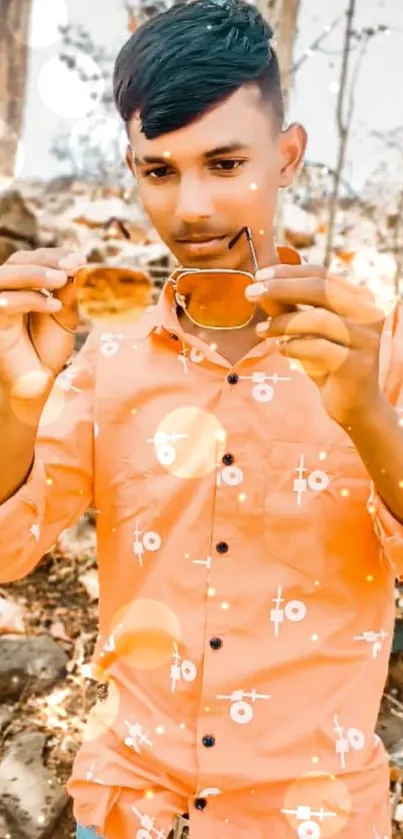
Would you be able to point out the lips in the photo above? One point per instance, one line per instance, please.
(200, 241)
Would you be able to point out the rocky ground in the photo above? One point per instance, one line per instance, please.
(49, 621)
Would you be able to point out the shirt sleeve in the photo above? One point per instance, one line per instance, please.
(59, 487)
(388, 529)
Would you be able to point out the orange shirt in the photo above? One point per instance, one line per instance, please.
(247, 570)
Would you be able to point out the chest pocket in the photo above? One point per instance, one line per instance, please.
(315, 516)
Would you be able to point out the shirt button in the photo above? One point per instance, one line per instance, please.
(228, 459)
(222, 547)
(215, 643)
(232, 378)
(208, 741)
(200, 803)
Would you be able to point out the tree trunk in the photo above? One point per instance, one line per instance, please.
(287, 30)
(14, 31)
(282, 16)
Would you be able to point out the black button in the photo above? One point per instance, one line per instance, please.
(215, 643)
(208, 741)
(232, 378)
(222, 547)
(174, 337)
(200, 803)
(228, 459)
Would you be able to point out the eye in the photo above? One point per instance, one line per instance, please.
(157, 173)
(229, 164)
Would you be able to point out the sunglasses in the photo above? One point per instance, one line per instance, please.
(214, 298)
(112, 293)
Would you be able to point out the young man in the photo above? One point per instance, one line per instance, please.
(248, 491)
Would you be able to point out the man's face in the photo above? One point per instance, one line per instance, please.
(211, 178)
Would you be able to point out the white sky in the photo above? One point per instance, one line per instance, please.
(379, 100)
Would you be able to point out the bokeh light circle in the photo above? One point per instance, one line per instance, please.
(197, 438)
(46, 18)
(316, 792)
(30, 387)
(143, 636)
(104, 136)
(74, 89)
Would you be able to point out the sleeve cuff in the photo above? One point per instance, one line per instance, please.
(388, 530)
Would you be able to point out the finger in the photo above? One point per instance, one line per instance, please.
(316, 322)
(31, 276)
(314, 291)
(47, 257)
(67, 316)
(324, 354)
(284, 271)
(21, 302)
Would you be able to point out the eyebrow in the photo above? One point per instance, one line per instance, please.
(219, 150)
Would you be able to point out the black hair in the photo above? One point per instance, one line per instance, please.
(184, 61)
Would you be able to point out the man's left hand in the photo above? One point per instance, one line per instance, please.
(336, 340)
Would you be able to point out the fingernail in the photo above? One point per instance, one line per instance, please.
(263, 327)
(265, 274)
(54, 304)
(55, 276)
(72, 260)
(255, 290)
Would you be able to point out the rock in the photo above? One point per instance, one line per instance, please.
(5, 716)
(7, 247)
(16, 220)
(37, 659)
(31, 796)
(7, 828)
(390, 729)
(97, 213)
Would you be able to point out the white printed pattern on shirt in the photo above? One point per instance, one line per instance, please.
(309, 829)
(294, 611)
(261, 391)
(137, 737)
(181, 669)
(374, 638)
(110, 343)
(231, 476)
(148, 829)
(166, 453)
(149, 541)
(240, 711)
(353, 739)
(317, 480)
(195, 355)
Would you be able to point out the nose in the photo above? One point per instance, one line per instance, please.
(194, 201)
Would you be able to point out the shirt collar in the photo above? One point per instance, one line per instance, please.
(163, 315)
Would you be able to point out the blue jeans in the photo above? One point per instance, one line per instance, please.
(86, 833)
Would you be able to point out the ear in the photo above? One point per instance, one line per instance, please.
(293, 142)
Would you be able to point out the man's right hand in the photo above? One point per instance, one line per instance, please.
(34, 346)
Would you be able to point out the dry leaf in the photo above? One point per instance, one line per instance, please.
(11, 617)
(90, 581)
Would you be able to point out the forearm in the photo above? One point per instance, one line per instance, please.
(378, 438)
(17, 443)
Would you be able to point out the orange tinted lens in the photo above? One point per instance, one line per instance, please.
(112, 293)
(216, 299)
